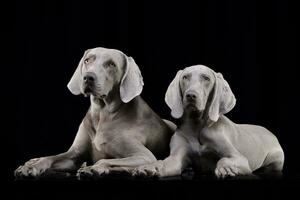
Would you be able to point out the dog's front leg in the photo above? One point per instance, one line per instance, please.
(38, 166)
(108, 166)
(172, 165)
(68, 161)
(129, 154)
(232, 162)
(232, 166)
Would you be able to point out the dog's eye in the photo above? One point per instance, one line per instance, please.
(185, 77)
(110, 64)
(86, 61)
(206, 78)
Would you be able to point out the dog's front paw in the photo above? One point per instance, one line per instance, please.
(150, 170)
(226, 168)
(84, 172)
(94, 171)
(226, 171)
(32, 168)
(100, 170)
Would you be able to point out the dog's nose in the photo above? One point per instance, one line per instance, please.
(191, 96)
(89, 78)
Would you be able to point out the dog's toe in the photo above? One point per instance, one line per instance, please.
(146, 171)
(138, 173)
(18, 171)
(226, 171)
(99, 171)
(229, 171)
(84, 172)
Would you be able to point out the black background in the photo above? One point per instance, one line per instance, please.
(252, 43)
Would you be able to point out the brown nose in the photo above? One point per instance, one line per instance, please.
(89, 78)
(191, 96)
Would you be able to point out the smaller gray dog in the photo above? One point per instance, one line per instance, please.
(206, 138)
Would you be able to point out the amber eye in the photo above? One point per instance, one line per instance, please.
(86, 61)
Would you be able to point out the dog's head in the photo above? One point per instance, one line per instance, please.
(101, 70)
(199, 89)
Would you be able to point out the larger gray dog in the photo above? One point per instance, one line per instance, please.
(119, 131)
(206, 138)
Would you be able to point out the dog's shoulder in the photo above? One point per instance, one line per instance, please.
(217, 130)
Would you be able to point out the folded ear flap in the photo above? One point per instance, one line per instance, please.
(223, 99)
(173, 97)
(75, 82)
(132, 81)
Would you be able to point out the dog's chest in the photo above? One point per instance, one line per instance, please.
(201, 155)
(103, 134)
(195, 147)
(106, 134)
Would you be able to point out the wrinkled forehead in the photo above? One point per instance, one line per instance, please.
(198, 69)
(106, 54)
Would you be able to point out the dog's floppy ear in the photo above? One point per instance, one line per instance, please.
(223, 99)
(75, 82)
(132, 81)
(173, 97)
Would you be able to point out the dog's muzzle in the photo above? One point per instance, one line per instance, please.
(89, 78)
(88, 82)
(192, 101)
(191, 96)
(87, 89)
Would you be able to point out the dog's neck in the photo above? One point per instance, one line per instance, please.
(111, 103)
(194, 121)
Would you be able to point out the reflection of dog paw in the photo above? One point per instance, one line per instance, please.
(226, 168)
(151, 170)
(93, 171)
(32, 168)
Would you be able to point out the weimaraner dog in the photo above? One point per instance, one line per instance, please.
(119, 132)
(208, 140)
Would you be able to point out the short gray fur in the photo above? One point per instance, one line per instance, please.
(207, 139)
(119, 132)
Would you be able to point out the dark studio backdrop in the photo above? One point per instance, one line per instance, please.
(252, 43)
